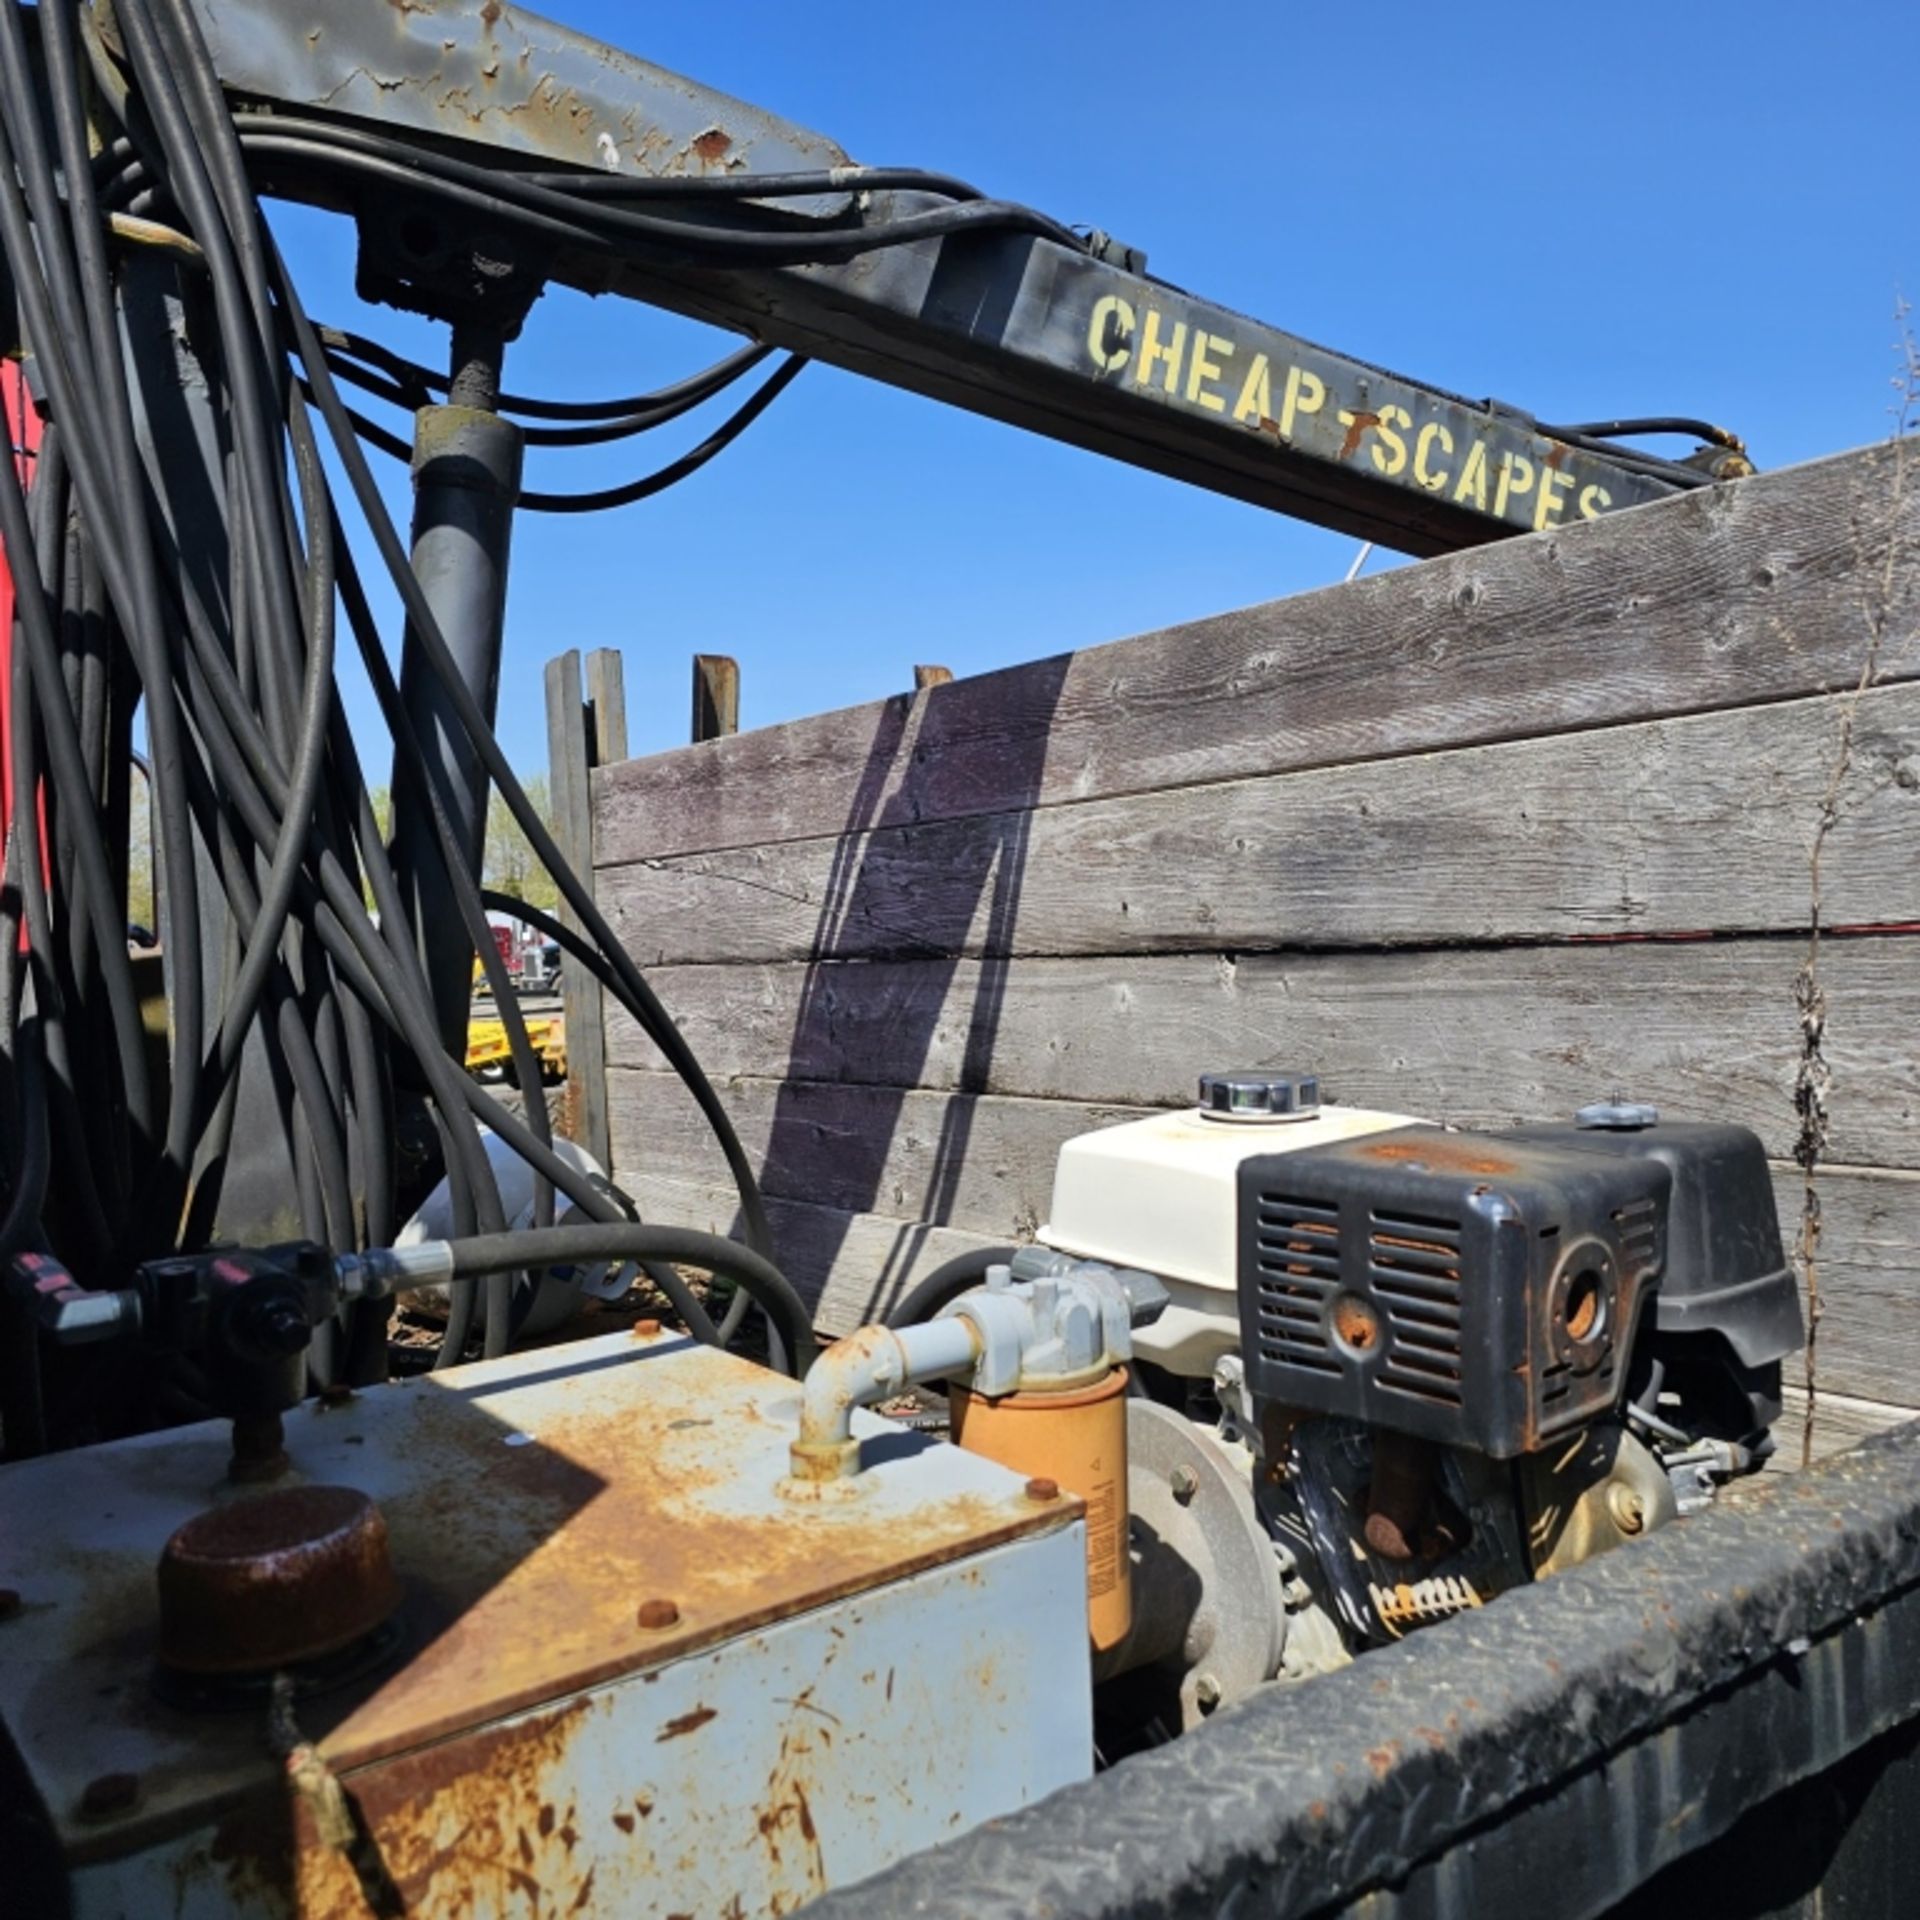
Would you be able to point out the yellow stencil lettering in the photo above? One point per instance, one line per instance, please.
(1516, 478)
(1200, 369)
(1473, 477)
(1256, 392)
(1430, 479)
(1594, 501)
(1550, 500)
(1305, 394)
(1152, 349)
(1111, 324)
(1389, 450)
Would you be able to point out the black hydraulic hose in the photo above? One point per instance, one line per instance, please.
(722, 437)
(474, 722)
(21, 1223)
(535, 1147)
(407, 383)
(106, 508)
(750, 186)
(256, 789)
(1654, 424)
(652, 1019)
(288, 135)
(589, 433)
(946, 1283)
(629, 986)
(96, 892)
(629, 491)
(620, 1241)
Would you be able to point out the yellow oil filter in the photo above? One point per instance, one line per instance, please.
(1078, 1440)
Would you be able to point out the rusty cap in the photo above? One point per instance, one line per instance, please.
(274, 1580)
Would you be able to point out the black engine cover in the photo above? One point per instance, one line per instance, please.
(1481, 1290)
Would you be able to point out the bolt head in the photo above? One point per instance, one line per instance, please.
(1042, 1489)
(1185, 1484)
(1206, 1693)
(657, 1615)
(1628, 1509)
(645, 1329)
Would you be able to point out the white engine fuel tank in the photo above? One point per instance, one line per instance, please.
(1160, 1194)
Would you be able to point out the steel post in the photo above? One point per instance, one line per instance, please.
(466, 478)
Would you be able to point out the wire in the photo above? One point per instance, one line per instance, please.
(629, 1241)
(948, 1282)
(1663, 423)
(187, 559)
(628, 493)
(566, 204)
(409, 379)
(722, 437)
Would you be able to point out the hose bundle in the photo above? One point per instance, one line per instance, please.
(203, 582)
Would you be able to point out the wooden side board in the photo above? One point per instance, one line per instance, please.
(1841, 1421)
(1666, 826)
(1491, 1037)
(1480, 839)
(1753, 592)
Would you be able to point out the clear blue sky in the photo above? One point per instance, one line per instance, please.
(1696, 207)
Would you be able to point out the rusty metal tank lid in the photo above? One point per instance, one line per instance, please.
(274, 1580)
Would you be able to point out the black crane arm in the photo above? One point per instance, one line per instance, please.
(903, 278)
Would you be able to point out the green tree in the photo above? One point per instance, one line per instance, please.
(510, 863)
(141, 906)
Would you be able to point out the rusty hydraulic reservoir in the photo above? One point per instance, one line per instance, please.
(558, 1633)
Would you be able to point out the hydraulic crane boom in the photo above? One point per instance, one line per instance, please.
(991, 308)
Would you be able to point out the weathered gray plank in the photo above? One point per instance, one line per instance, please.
(1839, 1423)
(983, 1165)
(854, 1266)
(1663, 826)
(606, 707)
(569, 789)
(1869, 1266)
(851, 1267)
(716, 699)
(1733, 594)
(1488, 1037)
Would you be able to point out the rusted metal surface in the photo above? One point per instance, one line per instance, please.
(274, 1581)
(1356, 1322)
(259, 1450)
(489, 72)
(1400, 1498)
(1441, 1152)
(536, 1506)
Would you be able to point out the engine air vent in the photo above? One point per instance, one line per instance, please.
(1413, 1268)
(1299, 1270)
(1639, 1224)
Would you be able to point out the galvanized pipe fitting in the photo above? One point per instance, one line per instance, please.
(379, 1271)
(865, 1367)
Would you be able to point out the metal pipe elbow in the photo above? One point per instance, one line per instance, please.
(865, 1367)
